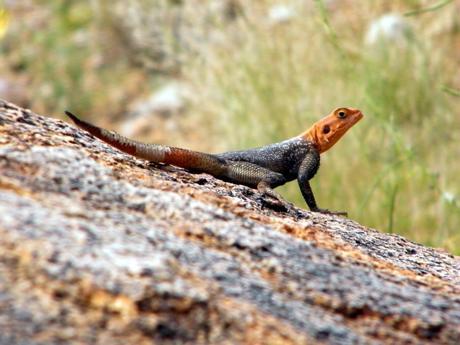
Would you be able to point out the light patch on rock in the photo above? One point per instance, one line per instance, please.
(167, 101)
(14, 91)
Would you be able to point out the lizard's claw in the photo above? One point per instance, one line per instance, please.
(335, 213)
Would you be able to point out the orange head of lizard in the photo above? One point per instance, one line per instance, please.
(327, 131)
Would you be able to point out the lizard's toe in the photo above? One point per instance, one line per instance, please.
(335, 213)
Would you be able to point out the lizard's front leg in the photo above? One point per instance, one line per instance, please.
(307, 170)
(307, 193)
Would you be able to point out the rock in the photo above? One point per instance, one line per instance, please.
(168, 101)
(99, 247)
(389, 28)
(15, 90)
(161, 35)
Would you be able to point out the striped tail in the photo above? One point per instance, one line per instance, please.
(202, 162)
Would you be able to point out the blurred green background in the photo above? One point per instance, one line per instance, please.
(229, 74)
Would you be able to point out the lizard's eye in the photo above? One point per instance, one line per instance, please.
(341, 114)
(326, 129)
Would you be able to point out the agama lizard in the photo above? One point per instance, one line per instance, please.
(264, 168)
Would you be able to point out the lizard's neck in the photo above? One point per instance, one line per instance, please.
(313, 135)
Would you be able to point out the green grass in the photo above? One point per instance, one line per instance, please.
(391, 171)
(65, 57)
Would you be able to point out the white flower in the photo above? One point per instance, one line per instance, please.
(390, 28)
(449, 197)
(280, 14)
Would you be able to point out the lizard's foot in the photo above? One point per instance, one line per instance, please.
(279, 202)
(287, 206)
(264, 189)
(279, 199)
(326, 211)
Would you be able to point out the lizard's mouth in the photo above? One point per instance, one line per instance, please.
(357, 116)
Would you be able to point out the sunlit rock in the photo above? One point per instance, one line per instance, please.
(14, 90)
(98, 247)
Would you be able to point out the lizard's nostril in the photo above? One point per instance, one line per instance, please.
(326, 129)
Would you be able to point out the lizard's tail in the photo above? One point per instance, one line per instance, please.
(184, 158)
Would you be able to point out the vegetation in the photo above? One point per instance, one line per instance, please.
(262, 81)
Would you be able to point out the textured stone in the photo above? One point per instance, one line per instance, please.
(102, 248)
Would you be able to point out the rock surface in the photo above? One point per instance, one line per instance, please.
(97, 247)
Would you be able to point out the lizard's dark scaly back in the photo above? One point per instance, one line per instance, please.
(283, 157)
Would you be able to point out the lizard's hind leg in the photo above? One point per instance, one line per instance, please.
(262, 178)
(252, 175)
(264, 187)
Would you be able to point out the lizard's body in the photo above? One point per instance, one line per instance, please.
(265, 167)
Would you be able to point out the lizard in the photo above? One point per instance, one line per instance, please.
(263, 168)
